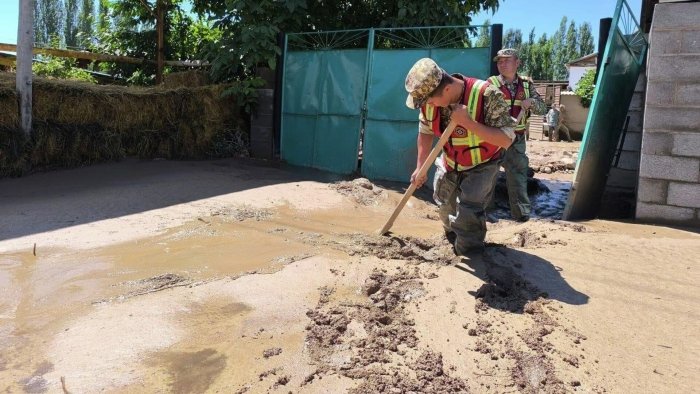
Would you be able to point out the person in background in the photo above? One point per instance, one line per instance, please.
(521, 95)
(562, 127)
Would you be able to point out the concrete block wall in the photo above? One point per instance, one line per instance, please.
(619, 198)
(669, 175)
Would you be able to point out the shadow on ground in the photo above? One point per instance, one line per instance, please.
(512, 278)
(58, 199)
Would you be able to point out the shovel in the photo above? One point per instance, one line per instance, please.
(423, 170)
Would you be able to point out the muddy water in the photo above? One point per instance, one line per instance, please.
(42, 295)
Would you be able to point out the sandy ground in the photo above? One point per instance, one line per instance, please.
(235, 276)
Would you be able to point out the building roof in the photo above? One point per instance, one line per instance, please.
(589, 60)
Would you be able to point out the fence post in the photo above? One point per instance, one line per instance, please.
(496, 45)
(25, 42)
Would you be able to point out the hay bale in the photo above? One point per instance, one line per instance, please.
(189, 78)
(77, 123)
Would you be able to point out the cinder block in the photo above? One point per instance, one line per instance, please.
(657, 143)
(622, 179)
(635, 123)
(688, 94)
(670, 168)
(665, 42)
(671, 118)
(641, 82)
(628, 160)
(652, 190)
(676, 16)
(637, 101)
(261, 142)
(684, 194)
(664, 213)
(660, 92)
(686, 144)
(633, 141)
(673, 68)
(691, 41)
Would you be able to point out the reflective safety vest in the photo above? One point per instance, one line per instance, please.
(464, 149)
(521, 93)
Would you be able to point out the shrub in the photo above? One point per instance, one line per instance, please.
(586, 87)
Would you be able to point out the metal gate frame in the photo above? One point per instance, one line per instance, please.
(388, 155)
(623, 58)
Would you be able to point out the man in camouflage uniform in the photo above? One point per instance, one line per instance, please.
(467, 169)
(521, 95)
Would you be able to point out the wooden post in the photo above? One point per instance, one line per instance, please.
(25, 42)
(160, 31)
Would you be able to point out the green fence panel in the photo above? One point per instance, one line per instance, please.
(623, 58)
(323, 93)
(389, 142)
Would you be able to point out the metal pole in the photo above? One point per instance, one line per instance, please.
(603, 32)
(25, 41)
(496, 45)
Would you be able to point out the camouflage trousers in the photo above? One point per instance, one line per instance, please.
(516, 163)
(462, 198)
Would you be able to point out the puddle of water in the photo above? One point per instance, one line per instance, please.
(42, 294)
(547, 203)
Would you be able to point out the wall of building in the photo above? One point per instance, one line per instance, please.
(669, 174)
(575, 74)
(575, 115)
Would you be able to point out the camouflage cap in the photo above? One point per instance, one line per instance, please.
(423, 78)
(506, 52)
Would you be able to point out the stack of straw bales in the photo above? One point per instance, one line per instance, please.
(78, 123)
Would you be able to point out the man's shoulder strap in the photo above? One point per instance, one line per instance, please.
(495, 81)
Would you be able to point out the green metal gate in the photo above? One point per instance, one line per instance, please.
(622, 62)
(390, 127)
(343, 95)
(323, 94)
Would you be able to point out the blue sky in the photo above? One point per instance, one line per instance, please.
(543, 15)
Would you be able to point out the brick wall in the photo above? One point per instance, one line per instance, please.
(669, 173)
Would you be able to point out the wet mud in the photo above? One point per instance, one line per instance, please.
(375, 342)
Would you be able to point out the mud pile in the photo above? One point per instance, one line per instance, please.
(375, 342)
(360, 190)
(412, 249)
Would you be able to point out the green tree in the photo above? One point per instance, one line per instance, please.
(70, 22)
(86, 22)
(250, 27)
(585, 88)
(48, 17)
(559, 51)
(484, 37)
(585, 40)
(513, 39)
(128, 27)
(571, 45)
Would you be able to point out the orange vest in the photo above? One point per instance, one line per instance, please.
(464, 149)
(521, 93)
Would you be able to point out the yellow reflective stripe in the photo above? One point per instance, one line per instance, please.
(495, 81)
(429, 110)
(461, 141)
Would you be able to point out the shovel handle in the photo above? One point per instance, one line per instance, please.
(421, 172)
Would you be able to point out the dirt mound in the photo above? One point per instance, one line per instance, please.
(242, 213)
(413, 249)
(364, 341)
(360, 190)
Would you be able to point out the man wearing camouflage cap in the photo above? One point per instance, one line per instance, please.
(520, 93)
(467, 169)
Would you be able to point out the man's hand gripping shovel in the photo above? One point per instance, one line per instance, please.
(423, 170)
